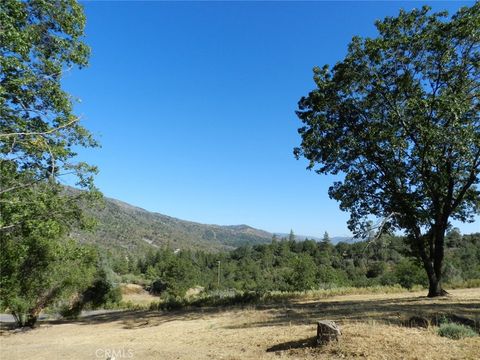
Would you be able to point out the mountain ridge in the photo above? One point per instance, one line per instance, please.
(123, 227)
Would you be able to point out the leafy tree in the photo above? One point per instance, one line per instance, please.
(37, 272)
(102, 290)
(409, 273)
(303, 273)
(38, 130)
(39, 40)
(177, 272)
(399, 117)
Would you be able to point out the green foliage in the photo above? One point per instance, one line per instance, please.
(38, 130)
(408, 273)
(125, 231)
(38, 136)
(157, 287)
(170, 273)
(304, 272)
(38, 272)
(399, 116)
(376, 269)
(297, 266)
(102, 291)
(455, 331)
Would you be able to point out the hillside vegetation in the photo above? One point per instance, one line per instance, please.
(126, 229)
(288, 265)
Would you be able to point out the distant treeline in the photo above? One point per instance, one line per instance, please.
(290, 265)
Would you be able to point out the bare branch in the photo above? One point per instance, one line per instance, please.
(380, 228)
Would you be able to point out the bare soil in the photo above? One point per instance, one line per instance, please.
(373, 327)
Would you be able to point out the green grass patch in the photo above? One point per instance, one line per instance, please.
(455, 331)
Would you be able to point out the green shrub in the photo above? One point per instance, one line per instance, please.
(409, 273)
(71, 312)
(133, 279)
(157, 287)
(102, 293)
(227, 298)
(172, 302)
(455, 331)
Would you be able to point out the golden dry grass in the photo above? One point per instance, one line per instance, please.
(136, 294)
(371, 324)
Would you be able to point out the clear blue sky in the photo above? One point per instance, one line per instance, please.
(194, 106)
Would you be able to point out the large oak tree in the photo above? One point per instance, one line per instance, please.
(398, 120)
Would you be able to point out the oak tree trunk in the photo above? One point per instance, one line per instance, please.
(431, 249)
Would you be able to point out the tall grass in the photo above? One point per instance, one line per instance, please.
(464, 284)
(337, 291)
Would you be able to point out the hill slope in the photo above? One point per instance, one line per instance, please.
(123, 226)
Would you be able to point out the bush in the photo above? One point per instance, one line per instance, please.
(376, 269)
(101, 293)
(227, 298)
(157, 287)
(409, 273)
(71, 311)
(455, 331)
(171, 302)
(133, 279)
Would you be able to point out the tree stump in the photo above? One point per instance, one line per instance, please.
(327, 330)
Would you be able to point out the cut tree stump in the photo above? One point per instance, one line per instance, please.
(327, 330)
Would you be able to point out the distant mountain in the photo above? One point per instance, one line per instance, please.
(121, 226)
(125, 228)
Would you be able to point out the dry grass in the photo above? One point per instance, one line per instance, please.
(128, 289)
(371, 329)
(137, 295)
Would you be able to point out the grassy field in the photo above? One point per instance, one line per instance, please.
(373, 327)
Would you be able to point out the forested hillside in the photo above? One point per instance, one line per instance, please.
(123, 228)
(289, 265)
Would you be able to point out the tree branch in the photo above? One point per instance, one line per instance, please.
(42, 133)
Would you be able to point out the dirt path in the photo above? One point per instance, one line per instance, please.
(371, 329)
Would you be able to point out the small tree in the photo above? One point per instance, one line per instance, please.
(291, 236)
(399, 117)
(303, 276)
(326, 238)
(37, 272)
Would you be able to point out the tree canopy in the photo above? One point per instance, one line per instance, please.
(399, 118)
(39, 41)
(39, 131)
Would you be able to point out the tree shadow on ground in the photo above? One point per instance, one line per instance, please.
(391, 311)
(133, 319)
(395, 311)
(310, 342)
